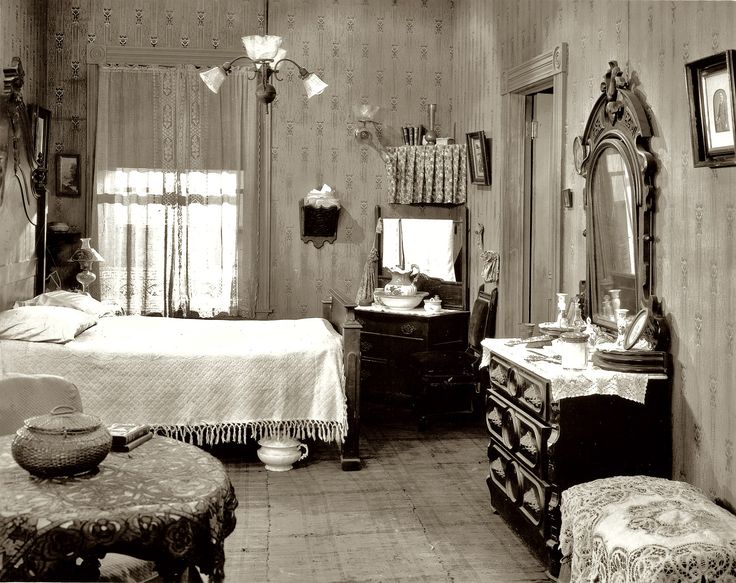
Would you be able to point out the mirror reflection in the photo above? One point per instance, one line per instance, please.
(432, 237)
(614, 236)
(433, 245)
(619, 175)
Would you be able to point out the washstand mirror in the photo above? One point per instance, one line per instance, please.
(614, 156)
(435, 238)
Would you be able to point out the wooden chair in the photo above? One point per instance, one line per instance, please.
(23, 396)
(449, 382)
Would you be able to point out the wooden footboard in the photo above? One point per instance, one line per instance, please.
(340, 312)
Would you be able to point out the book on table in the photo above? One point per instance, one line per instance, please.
(124, 433)
(133, 444)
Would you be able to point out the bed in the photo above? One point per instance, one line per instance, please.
(218, 381)
(211, 381)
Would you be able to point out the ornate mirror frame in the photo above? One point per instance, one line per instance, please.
(618, 123)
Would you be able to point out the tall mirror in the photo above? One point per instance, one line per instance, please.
(613, 155)
(434, 239)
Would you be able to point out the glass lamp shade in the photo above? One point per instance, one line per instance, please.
(261, 48)
(85, 256)
(280, 54)
(86, 253)
(366, 112)
(214, 78)
(313, 85)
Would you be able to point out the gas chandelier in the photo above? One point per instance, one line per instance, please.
(266, 54)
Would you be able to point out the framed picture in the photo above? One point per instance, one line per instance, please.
(711, 90)
(40, 122)
(479, 159)
(67, 175)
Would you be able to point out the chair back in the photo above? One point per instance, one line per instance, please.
(482, 319)
(23, 396)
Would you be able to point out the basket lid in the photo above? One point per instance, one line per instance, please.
(63, 419)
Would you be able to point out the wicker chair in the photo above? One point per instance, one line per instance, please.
(23, 396)
(449, 381)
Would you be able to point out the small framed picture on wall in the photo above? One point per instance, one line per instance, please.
(68, 175)
(711, 89)
(479, 159)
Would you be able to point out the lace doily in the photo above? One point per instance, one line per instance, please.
(565, 383)
(641, 529)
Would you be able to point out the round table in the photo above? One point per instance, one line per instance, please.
(165, 501)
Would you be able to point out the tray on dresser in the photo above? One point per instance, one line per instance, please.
(634, 361)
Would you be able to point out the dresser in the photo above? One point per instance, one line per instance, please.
(551, 428)
(389, 336)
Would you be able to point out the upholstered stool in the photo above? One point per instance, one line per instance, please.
(639, 529)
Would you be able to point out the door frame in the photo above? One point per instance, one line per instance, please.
(543, 71)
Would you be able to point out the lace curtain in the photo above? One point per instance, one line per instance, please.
(175, 201)
(175, 194)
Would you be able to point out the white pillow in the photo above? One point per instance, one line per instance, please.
(44, 323)
(69, 299)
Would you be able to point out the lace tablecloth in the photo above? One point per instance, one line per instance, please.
(165, 500)
(566, 383)
(639, 529)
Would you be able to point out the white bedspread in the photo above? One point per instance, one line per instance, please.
(216, 379)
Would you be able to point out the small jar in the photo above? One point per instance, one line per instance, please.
(574, 350)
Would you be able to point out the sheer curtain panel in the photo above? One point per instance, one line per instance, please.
(176, 192)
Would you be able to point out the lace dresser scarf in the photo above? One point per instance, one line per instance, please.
(566, 383)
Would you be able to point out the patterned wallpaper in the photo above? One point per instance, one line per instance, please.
(390, 53)
(395, 54)
(695, 265)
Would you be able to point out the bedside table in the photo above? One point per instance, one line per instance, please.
(59, 248)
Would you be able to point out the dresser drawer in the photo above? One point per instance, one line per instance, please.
(388, 347)
(531, 496)
(391, 325)
(530, 391)
(524, 436)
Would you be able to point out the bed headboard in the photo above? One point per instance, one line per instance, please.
(22, 194)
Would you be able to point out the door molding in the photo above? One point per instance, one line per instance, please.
(546, 70)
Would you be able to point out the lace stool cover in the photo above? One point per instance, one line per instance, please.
(641, 529)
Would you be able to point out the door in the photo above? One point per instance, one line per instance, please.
(539, 210)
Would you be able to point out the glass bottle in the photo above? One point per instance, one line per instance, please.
(621, 323)
(561, 307)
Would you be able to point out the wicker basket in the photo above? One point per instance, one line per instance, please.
(62, 443)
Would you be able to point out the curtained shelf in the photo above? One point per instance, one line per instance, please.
(427, 174)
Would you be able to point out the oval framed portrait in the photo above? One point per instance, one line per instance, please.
(636, 328)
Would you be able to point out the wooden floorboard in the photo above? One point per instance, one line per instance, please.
(419, 510)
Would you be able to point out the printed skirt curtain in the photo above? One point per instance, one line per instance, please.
(427, 174)
(175, 192)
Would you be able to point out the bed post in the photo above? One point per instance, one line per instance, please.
(340, 312)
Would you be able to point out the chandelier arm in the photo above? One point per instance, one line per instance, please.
(228, 66)
(302, 71)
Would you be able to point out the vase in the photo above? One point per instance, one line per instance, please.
(431, 135)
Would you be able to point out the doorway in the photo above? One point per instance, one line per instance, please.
(539, 210)
(531, 226)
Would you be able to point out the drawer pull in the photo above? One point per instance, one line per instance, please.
(408, 329)
(365, 346)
